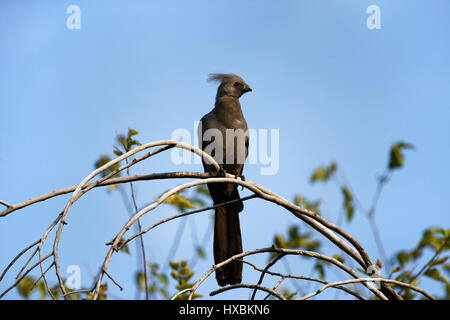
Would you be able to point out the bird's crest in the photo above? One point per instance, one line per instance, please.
(222, 77)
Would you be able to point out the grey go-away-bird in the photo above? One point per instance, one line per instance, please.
(223, 134)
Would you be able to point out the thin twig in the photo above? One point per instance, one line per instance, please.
(251, 286)
(274, 287)
(144, 260)
(17, 257)
(24, 275)
(42, 275)
(28, 261)
(112, 279)
(278, 257)
(77, 292)
(6, 204)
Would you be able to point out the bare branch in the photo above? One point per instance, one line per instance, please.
(17, 257)
(286, 252)
(251, 286)
(278, 257)
(77, 192)
(101, 183)
(112, 279)
(124, 243)
(336, 235)
(6, 204)
(284, 276)
(24, 275)
(362, 280)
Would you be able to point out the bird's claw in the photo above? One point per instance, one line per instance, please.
(221, 173)
(242, 177)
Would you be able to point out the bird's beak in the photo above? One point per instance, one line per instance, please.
(246, 88)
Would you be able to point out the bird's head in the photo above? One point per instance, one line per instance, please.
(230, 85)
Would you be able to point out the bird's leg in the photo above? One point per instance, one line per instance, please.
(221, 173)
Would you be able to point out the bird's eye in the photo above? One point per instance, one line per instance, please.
(236, 84)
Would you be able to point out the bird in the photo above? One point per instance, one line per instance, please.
(226, 123)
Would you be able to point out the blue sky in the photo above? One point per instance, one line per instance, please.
(335, 89)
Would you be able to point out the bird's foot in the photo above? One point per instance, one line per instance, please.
(242, 177)
(221, 173)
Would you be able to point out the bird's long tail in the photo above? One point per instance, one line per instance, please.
(227, 243)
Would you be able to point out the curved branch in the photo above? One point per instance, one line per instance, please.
(102, 183)
(304, 214)
(329, 230)
(292, 276)
(251, 286)
(124, 243)
(286, 252)
(77, 192)
(362, 280)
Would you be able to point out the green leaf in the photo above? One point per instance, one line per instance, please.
(104, 159)
(395, 269)
(403, 257)
(182, 273)
(447, 234)
(123, 141)
(117, 152)
(198, 202)
(42, 290)
(348, 202)
(102, 292)
(125, 247)
(396, 158)
(289, 295)
(436, 275)
(294, 240)
(320, 269)
(203, 190)
(25, 287)
(133, 142)
(338, 257)
(162, 278)
(180, 201)
(379, 264)
(140, 280)
(128, 142)
(132, 132)
(429, 240)
(324, 173)
(437, 261)
(201, 253)
(319, 174)
(308, 205)
(280, 241)
(174, 264)
(447, 268)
